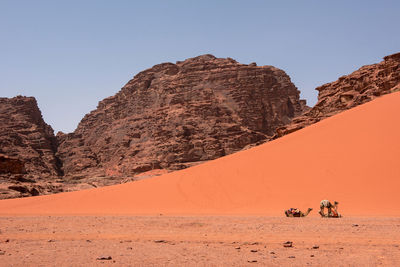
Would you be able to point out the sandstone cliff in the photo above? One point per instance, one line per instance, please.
(359, 87)
(27, 149)
(175, 115)
(25, 136)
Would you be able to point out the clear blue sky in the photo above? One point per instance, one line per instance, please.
(72, 54)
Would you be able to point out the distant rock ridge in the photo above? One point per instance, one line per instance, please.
(175, 115)
(361, 86)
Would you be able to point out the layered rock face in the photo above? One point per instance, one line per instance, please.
(11, 165)
(27, 138)
(173, 115)
(359, 87)
(27, 150)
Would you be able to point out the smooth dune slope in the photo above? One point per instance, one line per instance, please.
(352, 157)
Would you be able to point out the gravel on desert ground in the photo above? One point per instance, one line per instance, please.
(198, 241)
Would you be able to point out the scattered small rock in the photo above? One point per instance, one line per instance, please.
(340, 248)
(251, 261)
(104, 258)
(315, 247)
(237, 247)
(311, 255)
(130, 248)
(2, 252)
(254, 250)
(288, 244)
(89, 241)
(355, 225)
(51, 240)
(272, 252)
(291, 257)
(160, 241)
(7, 240)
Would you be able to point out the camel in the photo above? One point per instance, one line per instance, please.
(296, 212)
(332, 209)
(332, 214)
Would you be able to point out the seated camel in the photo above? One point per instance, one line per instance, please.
(332, 209)
(296, 212)
(331, 214)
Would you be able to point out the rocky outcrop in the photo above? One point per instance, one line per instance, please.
(26, 138)
(349, 91)
(28, 164)
(175, 115)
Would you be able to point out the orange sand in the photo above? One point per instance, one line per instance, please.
(352, 157)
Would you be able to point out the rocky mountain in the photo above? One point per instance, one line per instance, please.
(361, 86)
(170, 117)
(25, 135)
(175, 115)
(27, 145)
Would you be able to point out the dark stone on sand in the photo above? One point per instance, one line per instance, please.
(104, 258)
(288, 244)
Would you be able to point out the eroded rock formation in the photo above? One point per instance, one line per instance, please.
(25, 137)
(11, 165)
(348, 91)
(27, 149)
(174, 115)
(169, 117)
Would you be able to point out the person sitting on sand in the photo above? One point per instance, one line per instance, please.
(332, 208)
(296, 212)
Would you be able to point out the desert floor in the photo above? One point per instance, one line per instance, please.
(198, 241)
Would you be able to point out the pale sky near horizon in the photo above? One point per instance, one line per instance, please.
(72, 54)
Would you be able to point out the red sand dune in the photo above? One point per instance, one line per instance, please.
(352, 157)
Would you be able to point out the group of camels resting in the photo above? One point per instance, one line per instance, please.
(332, 210)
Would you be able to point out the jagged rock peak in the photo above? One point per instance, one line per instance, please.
(395, 57)
(361, 86)
(201, 58)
